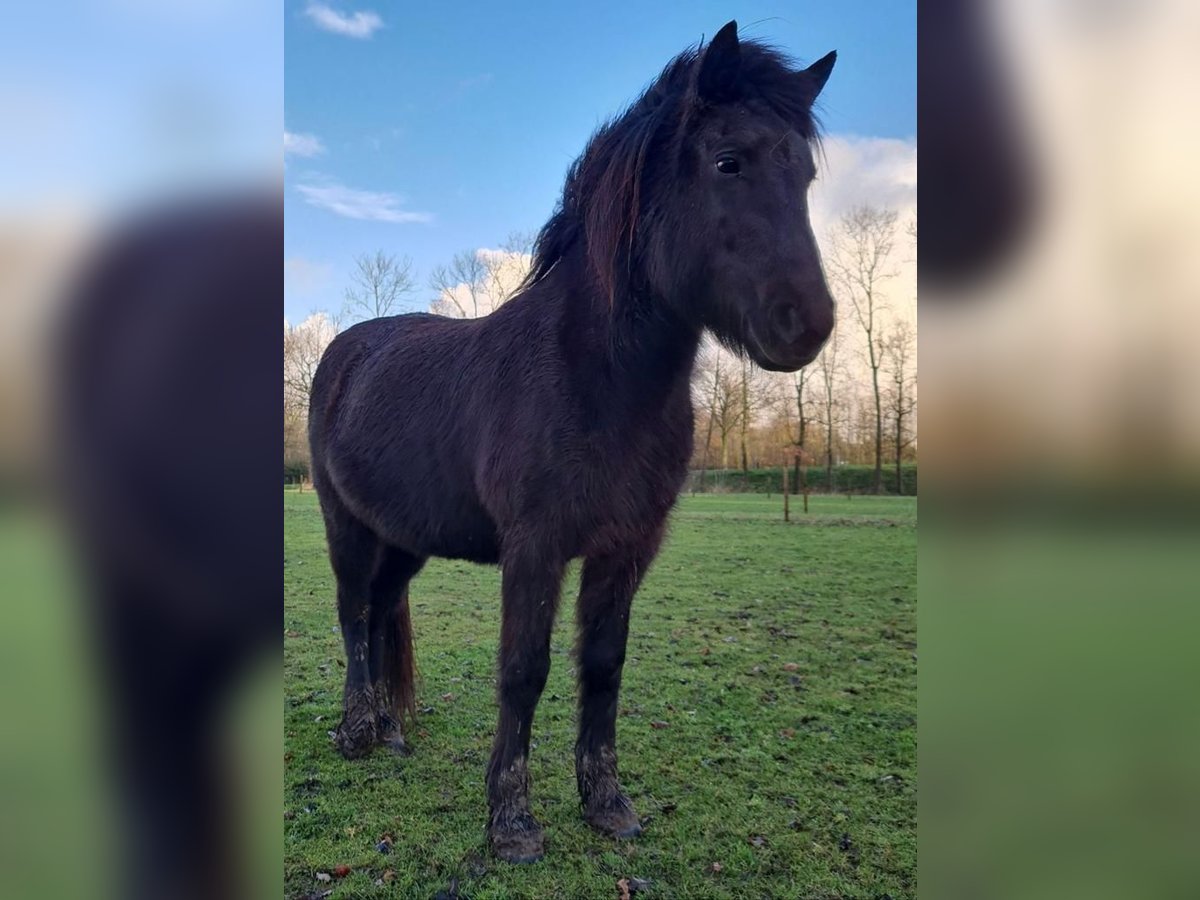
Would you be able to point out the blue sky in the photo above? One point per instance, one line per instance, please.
(453, 125)
(108, 104)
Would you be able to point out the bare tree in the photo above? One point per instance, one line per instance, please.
(478, 282)
(520, 243)
(461, 286)
(746, 413)
(303, 346)
(721, 395)
(757, 390)
(380, 283)
(507, 268)
(900, 349)
(801, 384)
(858, 263)
(829, 367)
(706, 377)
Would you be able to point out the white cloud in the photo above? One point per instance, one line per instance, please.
(879, 172)
(302, 144)
(356, 25)
(857, 171)
(373, 206)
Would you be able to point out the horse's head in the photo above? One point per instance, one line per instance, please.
(696, 197)
(735, 248)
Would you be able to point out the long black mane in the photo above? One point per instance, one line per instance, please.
(611, 186)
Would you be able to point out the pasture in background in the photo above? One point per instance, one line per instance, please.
(767, 726)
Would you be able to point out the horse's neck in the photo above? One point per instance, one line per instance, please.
(638, 352)
(650, 346)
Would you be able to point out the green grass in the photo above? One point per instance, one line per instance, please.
(782, 659)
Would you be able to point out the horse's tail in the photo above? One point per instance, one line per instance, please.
(401, 669)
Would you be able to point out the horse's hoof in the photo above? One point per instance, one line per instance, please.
(391, 737)
(521, 859)
(355, 739)
(521, 841)
(632, 831)
(358, 732)
(353, 747)
(616, 819)
(397, 746)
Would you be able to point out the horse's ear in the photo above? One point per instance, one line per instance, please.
(721, 64)
(815, 76)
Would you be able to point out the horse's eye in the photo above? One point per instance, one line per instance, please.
(727, 165)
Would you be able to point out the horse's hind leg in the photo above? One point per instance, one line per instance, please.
(391, 656)
(353, 550)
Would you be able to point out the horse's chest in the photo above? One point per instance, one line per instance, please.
(636, 488)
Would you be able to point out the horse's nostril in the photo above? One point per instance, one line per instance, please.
(787, 322)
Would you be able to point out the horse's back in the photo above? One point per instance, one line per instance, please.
(391, 437)
(370, 366)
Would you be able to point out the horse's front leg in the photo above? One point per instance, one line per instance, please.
(531, 585)
(606, 593)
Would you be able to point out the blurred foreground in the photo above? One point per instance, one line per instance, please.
(1060, 279)
(144, 599)
(140, 239)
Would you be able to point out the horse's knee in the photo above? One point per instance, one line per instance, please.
(600, 662)
(522, 679)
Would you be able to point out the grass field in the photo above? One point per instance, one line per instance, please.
(767, 726)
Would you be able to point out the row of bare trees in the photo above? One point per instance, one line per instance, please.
(855, 404)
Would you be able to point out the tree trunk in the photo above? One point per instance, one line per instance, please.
(878, 427)
(899, 450)
(745, 413)
(712, 419)
(707, 444)
(829, 435)
(801, 431)
(829, 459)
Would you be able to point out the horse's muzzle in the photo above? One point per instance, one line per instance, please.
(789, 334)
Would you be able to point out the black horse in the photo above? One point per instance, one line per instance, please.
(560, 426)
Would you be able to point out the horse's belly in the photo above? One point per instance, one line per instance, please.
(422, 516)
(463, 536)
(473, 546)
